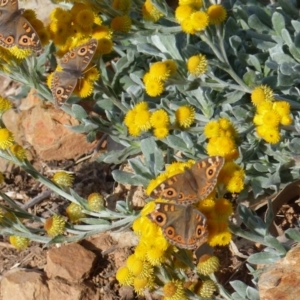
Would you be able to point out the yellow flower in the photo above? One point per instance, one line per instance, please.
(92, 74)
(208, 264)
(221, 238)
(105, 46)
(130, 118)
(139, 267)
(18, 151)
(261, 93)
(60, 14)
(183, 12)
(85, 18)
(286, 120)
(6, 138)
(134, 131)
(188, 26)
(171, 65)
(224, 146)
(223, 207)
(197, 4)
(5, 104)
(141, 106)
(197, 64)
(102, 32)
(159, 119)
(207, 289)
(142, 120)
(74, 212)
(185, 116)
(95, 202)
(20, 53)
(264, 106)
(174, 290)
(160, 71)
(155, 256)
(19, 242)
(154, 87)
(122, 5)
(55, 225)
(124, 276)
(141, 283)
(63, 179)
(282, 108)
(270, 135)
(271, 118)
(217, 14)
(200, 20)
(258, 119)
(206, 205)
(84, 88)
(212, 129)
(150, 12)
(121, 23)
(161, 132)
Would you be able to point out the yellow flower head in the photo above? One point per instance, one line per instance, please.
(262, 93)
(60, 14)
(221, 238)
(161, 132)
(270, 135)
(212, 129)
(6, 138)
(102, 32)
(264, 106)
(142, 120)
(122, 5)
(159, 119)
(63, 179)
(206, 289)
(19, 242)
(95, 202)
(174, 290)
(142, 283)
(206, 205)
(92, 74)
(5, 104)
(105, 46)
(121, 23)
(155, 255)
(188, 26)
(159, 70)
(84, 88)
(150, 12)
(171, 65)
(183, 12)
(286, 120)
(271, 118)
(18, 151)
(20, 53)
(55, 225)
(224, 146)
(139, 267)
(74, 212)
(217, 14)
(185, 116)
(141, 106)
(154, 87)
(124, 276)
(85, 18)
(208, 264)
(134, 131)
(200, 20)
(197, 64)
(197, 4)
(223, 207)
(282, 107)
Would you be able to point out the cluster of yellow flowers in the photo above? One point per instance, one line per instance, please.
(269, 114)
(153, 249)
(150, 12)
(140, 119)
(159, 72)
(70, 28)
(121, 23)
(192, 19)
(222, 141)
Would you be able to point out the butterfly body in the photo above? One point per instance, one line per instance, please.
(193, 184)
(73, 65)
(15, 30)
(182, 225)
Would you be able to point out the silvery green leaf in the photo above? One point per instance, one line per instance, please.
(293, 234)
(129, 178)
(271, 81)
(139, 168)
(270, 214)
(79, 112)
(250, 78)
(255, 23)
(296, 25)
(252, 293)
(91, 136)
(105, 104)
(286, 36)
(117, 157)
(234, 96)
(262, 44)
(278, 22)
(272, 241)
(239, 287)
(263, 258)
(287, 68)
(167, 44)
(254, 62)
(235, 43)
(94, 221)
(187, 139)
(236, 296)
(295, 52)
(150, 49)
(176, 143)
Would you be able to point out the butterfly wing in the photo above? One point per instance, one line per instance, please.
(206, 173)
(183, 226)
(73, 64)
(193, 184)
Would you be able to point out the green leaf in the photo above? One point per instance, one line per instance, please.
(278, 22)
(293, 234)
(296, 25)
(129, 178)
(255, 23)
(252, 293)
(79, 112)
(139, 168)
(254, 62)
(118, 156)
(263, 258)
(239, 287)
(272, 241)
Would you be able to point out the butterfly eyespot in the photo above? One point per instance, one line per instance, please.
(72, 54)
(199, 231)
(59, 91)
(210, 172)
(9, 40)
(160, 218)
(170, 232)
